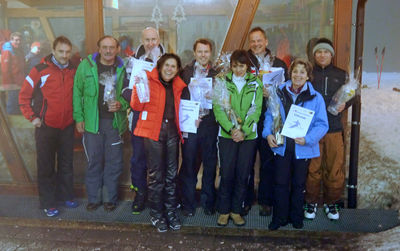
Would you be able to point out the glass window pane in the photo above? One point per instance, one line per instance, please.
(37, 21)
(290, 24)
(180, 22)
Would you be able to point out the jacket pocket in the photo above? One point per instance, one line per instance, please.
(89, 87)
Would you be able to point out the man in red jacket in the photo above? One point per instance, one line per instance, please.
(46, 101)
(12, 68)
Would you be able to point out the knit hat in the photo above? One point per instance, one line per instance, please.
(323, 45)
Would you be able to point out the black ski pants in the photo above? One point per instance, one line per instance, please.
(55, 183)
(235, 164)
(162, 165)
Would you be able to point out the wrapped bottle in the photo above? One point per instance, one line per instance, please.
(109, 88)
(142, 88)
(344, 94)
(273, 105)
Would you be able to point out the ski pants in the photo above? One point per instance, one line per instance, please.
(289, 188)
(235, 164)
(138, 160)
(105, 162)
(162, 163)
(205, 140)
(328, 169)
(54, 183)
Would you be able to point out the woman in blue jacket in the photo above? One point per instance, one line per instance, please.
(293, 157)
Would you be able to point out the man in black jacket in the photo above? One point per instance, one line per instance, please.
(260, 54)
(203, 142)
(150, 50)
(329, 167)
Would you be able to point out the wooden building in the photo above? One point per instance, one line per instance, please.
(289, 24)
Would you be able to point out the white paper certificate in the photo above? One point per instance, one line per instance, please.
(277, 75)
(137, 67)
(188, 114)
(297, 122)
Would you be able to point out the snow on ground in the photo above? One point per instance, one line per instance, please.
(379, 163)
(380, 115)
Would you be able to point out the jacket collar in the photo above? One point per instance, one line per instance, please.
(288, 83)
(267, 52)
(118, 60)
(248, 77)
(47, 60)
(140, 51)
(319, 68)
(177, 82)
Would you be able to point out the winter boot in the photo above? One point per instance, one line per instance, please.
(138, 203)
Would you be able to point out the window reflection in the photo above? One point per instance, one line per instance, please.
(179, 22)
(291, 24)
(38, 23)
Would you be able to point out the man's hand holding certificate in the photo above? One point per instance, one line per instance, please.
(297, 122)
(138, 66)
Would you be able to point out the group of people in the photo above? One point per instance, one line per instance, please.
(99, 100)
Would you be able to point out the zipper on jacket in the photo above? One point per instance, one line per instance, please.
(326, 85)
(44, 109)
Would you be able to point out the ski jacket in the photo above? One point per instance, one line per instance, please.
(12, 67)
(47, 94)
(327, 81)
(86, 95)
(151, 113)
(250, 97)
(186, 74)
(126, 92)
(309, 99)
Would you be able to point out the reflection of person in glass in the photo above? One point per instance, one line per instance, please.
(12, 69)
(329, 167)
(205, 139)
(237, 142)
(48, 87)
(150, 50)
(260, 54)
(100, 114)
(158, 124)
(291, 159)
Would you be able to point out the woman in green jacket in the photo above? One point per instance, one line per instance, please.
(237, 135)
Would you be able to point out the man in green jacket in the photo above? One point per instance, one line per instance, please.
(100, 114)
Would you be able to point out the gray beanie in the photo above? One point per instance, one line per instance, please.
(325, 46)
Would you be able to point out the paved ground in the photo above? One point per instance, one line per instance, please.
(23, 234)
(24, 227)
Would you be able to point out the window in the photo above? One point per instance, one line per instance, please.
(291, 24)
(179, 22)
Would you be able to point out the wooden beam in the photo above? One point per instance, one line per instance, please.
(51, 3)
(342, 42)
(33, 12)
(47, 29)
(94, 27)
(240, 25)
(10, 152)
(342, 33)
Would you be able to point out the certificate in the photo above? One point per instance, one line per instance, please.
(297, 122)
(188, 114)
(138, 66)
(201, 90)
(277, 75)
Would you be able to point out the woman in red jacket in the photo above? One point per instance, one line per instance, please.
(158, 124)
